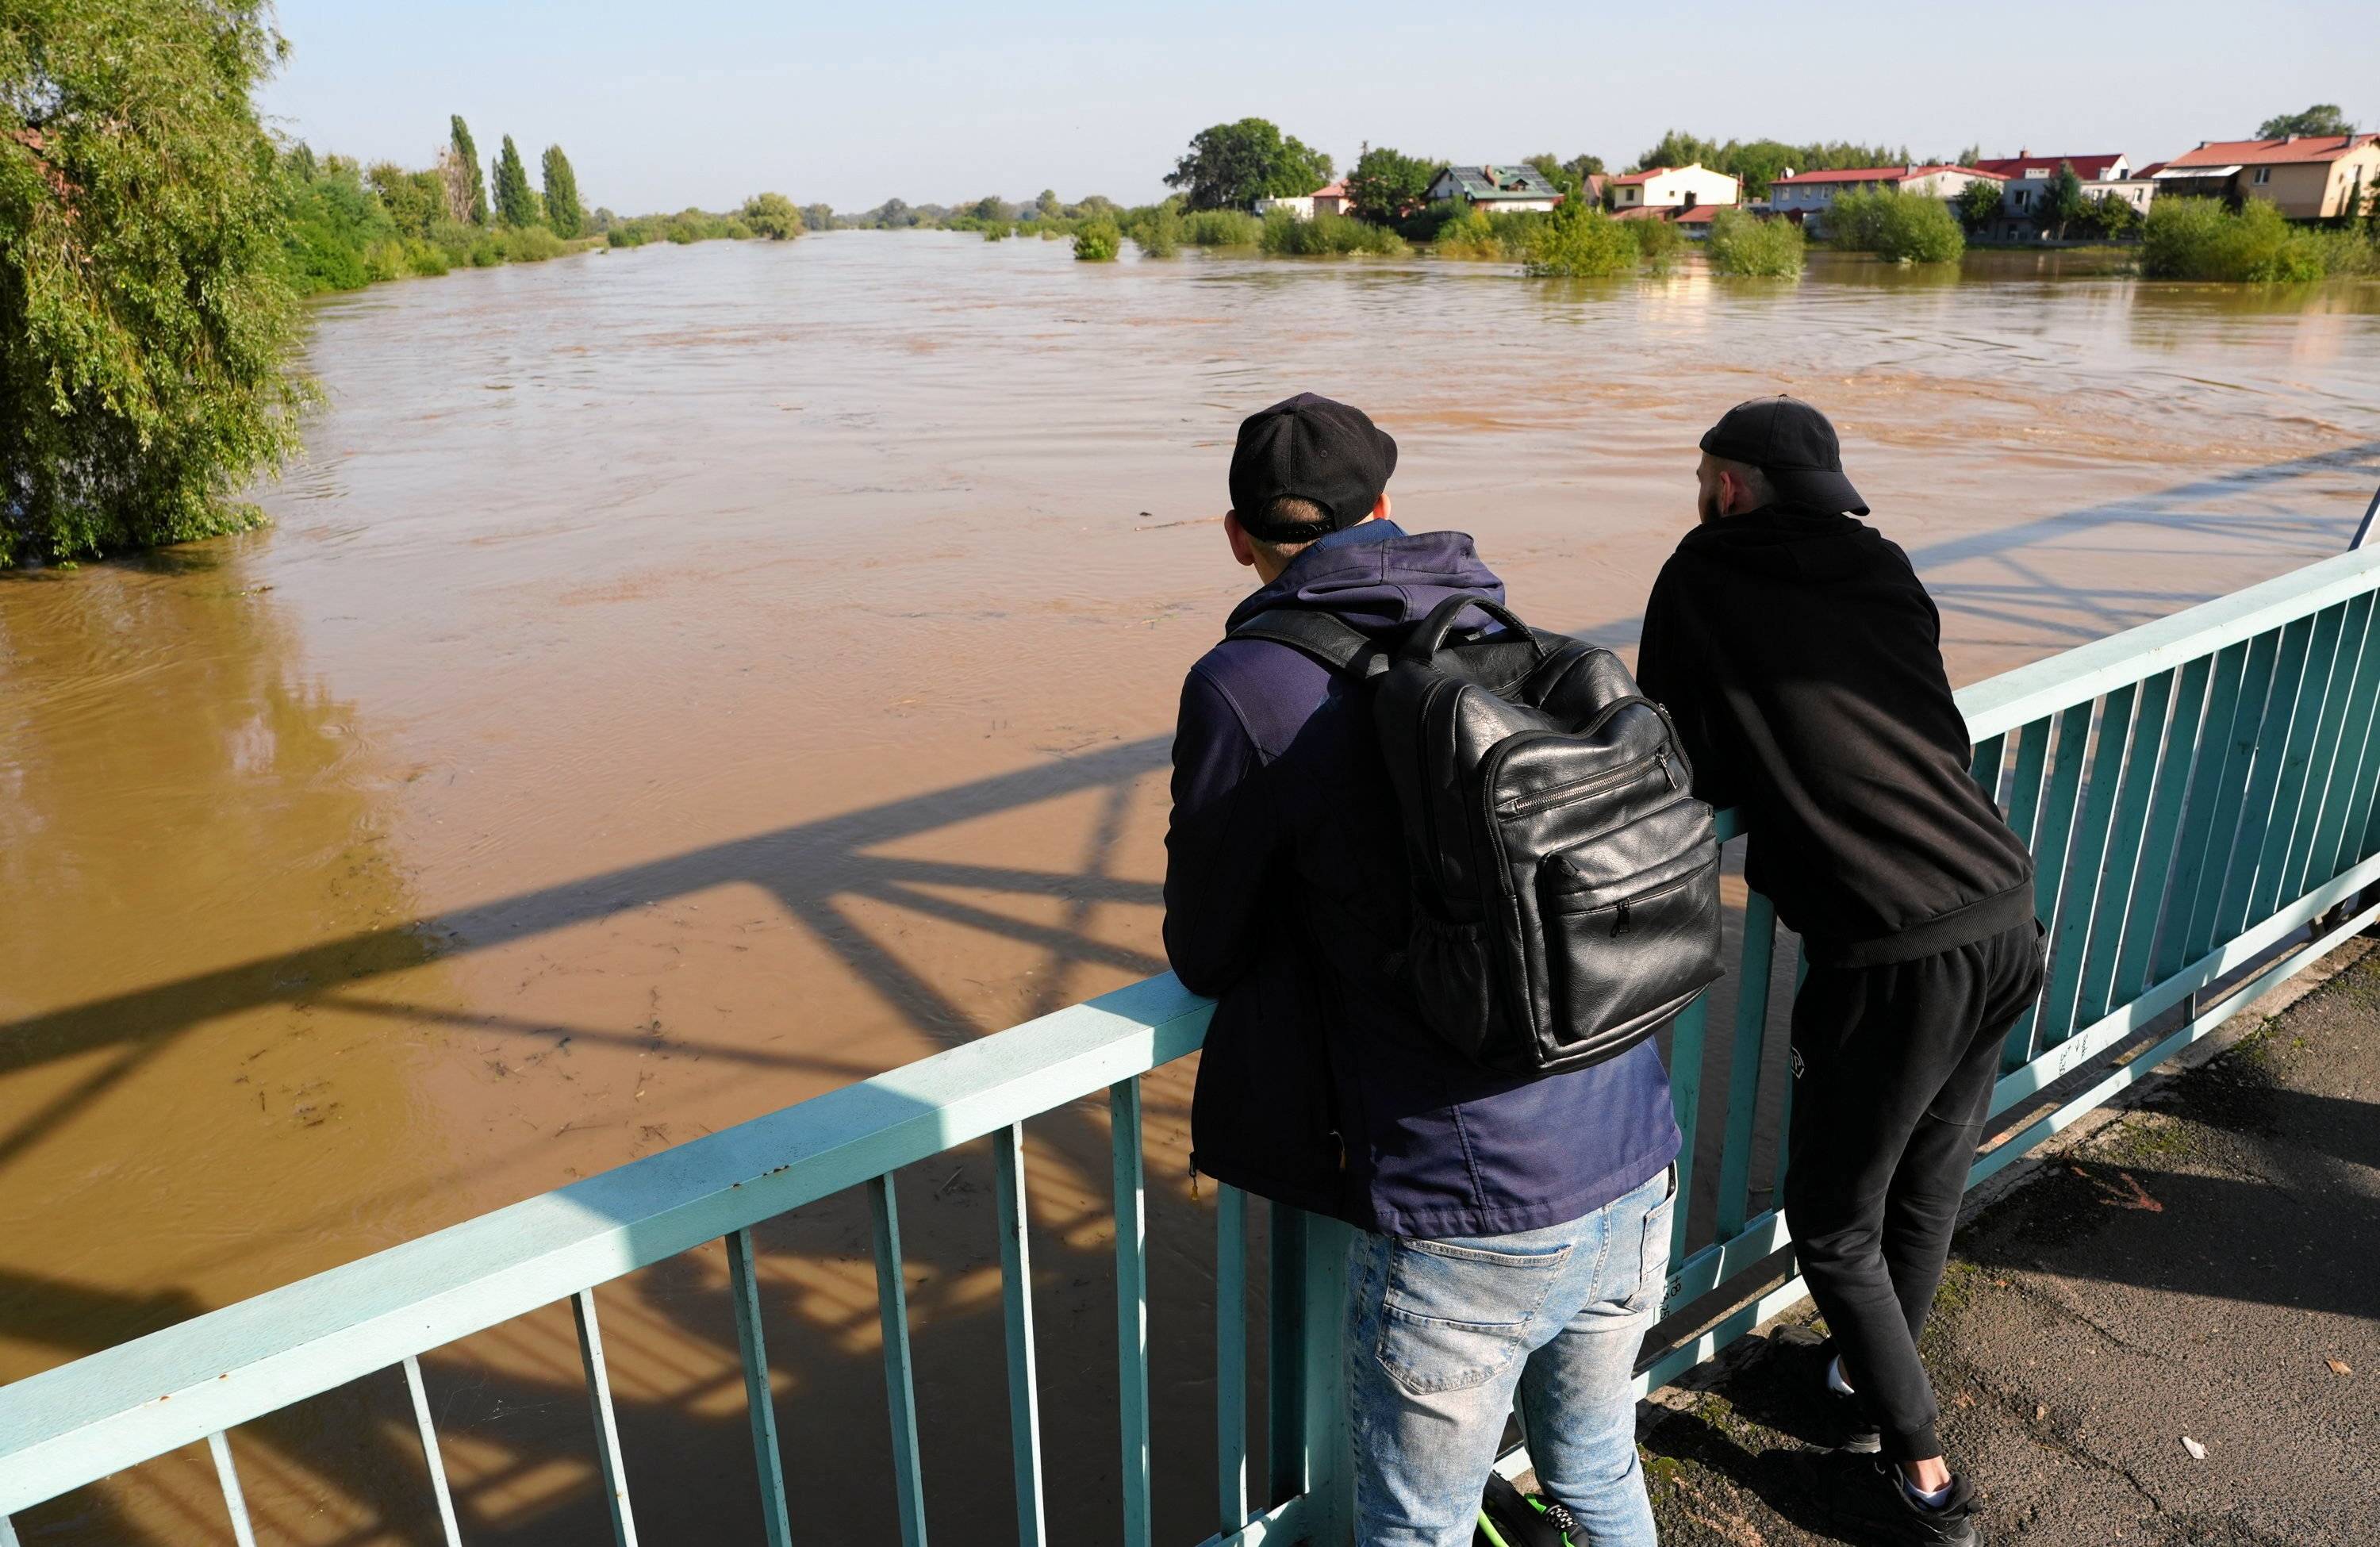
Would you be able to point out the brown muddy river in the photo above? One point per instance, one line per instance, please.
(682, 681)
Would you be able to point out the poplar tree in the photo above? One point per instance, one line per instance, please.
(469, 154)
(563, 210)
(516, 200)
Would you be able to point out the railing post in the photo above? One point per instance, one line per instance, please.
(1328, 1442)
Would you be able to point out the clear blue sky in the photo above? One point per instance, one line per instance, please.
(663, 105)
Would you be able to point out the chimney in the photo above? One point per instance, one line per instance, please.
(2023, 151)
(1787, 173)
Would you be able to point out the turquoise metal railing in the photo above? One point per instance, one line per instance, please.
(2198, 792)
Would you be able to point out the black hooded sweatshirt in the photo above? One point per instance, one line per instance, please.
(1802, 661)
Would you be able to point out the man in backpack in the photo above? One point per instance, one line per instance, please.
(1802, 660)
(1513, 1233)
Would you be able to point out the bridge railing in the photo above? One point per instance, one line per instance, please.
(2199, 794)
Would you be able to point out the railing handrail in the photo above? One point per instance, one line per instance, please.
(67, 1426)
(1999, 704)
(70, 1425)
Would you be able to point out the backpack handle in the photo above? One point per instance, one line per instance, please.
(1429, 635)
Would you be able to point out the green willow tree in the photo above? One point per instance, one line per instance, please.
(516, 200)
(146, 322)
(459, 135)
(563, 210)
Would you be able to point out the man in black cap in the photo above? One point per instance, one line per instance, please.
(1513, 1233)
(1802, 660)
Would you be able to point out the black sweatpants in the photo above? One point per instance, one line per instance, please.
(1893, 1068)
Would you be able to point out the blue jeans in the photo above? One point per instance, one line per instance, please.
(1440, 1333)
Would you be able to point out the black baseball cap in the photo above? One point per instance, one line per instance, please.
(1794, 446)
(1311, 449)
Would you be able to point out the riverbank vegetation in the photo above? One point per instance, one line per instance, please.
(2202, 239)
(1899, 227)
(146, 311)
(1743, 244)
(1325, 235)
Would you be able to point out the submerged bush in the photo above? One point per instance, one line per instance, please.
(1659, 241)
(1582, 242)
(1325, 235)
(2200, 238)
(1903, 228)
(1743, 243)
(1160, 234)
(1471, 234)
(1099, 241)
(1221, 228)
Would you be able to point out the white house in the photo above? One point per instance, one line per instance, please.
(1804, 197)
(2030, 177)
(1681, 188)
(1495, 188)
(1329, 198)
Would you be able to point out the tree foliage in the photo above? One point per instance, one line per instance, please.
(516, 200)
(467, 154)
(146, 322)
(1742, 243)
(2323, 117)
(1978, 204)
(1099, 241)
(1232, 165)
(563, 210)
(1905, 227)
(1387, 185)
(2062, 202)
(772, 215)
(2202, 239)
(1579, 242)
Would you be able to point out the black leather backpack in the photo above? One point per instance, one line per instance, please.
(1564, 879)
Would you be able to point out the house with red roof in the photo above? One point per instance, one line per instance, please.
(2028, 178)
(1673, 187)
(1804, 197)
(2308, 176)
(1329, 198)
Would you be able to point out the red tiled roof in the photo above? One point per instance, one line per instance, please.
(2151, 170)
(1330, 191)
(1646, 176)
(2091, 169)
(2269, 152)
(1881, 175)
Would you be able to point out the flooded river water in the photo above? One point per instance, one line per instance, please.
(682, 681)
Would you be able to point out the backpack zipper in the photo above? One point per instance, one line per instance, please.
(1577, 788)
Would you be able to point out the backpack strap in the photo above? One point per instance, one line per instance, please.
(1331, 641)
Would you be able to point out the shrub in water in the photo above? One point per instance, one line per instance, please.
(1470, 234)
(1160, 234)
(1220, 229)
(1099, 241)
(2199, 239)
(1659, 241)
(1325, 235)
(1903, 228)
(1743, 243)
(1582, 242)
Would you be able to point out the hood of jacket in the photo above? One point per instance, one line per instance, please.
(1781, 540)
(1377, 576)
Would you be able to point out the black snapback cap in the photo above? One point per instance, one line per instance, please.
(1312, 449)
(1794, 446)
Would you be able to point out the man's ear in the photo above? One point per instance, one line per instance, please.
(1238, 535)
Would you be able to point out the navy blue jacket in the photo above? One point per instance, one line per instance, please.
(1286, 891)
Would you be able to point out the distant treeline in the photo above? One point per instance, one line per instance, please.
(350, 225)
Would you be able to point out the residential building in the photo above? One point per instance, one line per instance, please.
(1682, 187)
(1803, 196)
(1596, 186)
(2308, 176)
(1495, 188)
(1332, 199)
(2029, 177)
(1329, 198)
